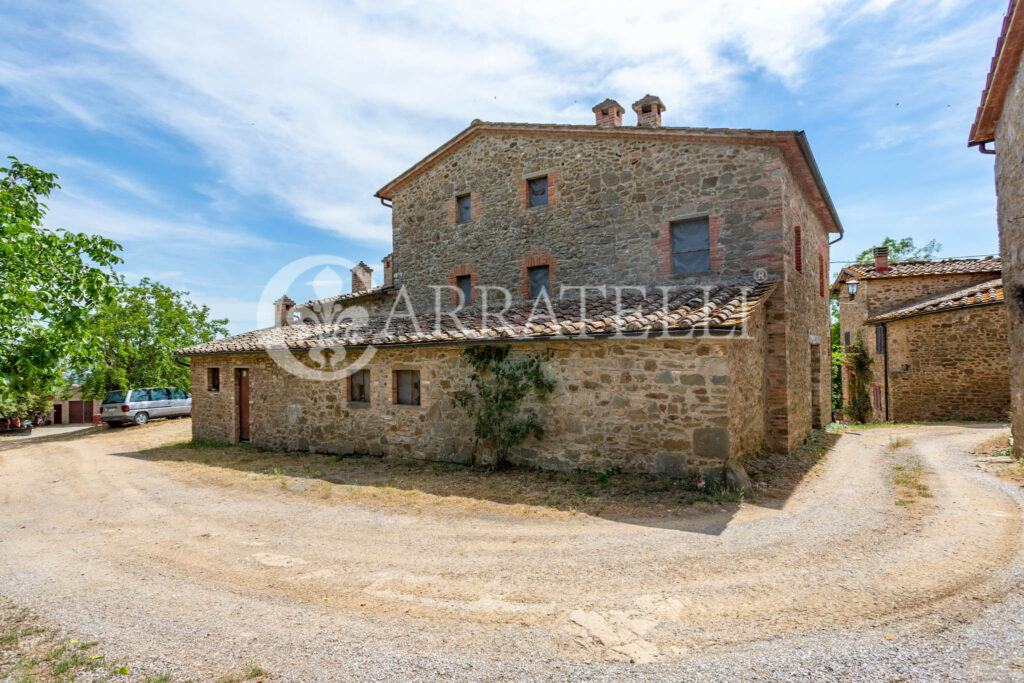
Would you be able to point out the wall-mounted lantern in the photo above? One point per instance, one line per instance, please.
(851, 287)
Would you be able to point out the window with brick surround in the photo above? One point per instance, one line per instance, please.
(538, 190)
(540, 281)
(359, 386)
(798, 248)
(465, 285)
(880, 339)
(691, 245)
(407, 387)
(822, 274)
(213, 379)
(463, 208)
(846, 339)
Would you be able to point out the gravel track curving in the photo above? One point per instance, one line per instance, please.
(196, 571)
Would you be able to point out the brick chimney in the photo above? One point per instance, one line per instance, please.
(282, 308)
(881, 259)
(648, 111)
(362, 278)
(389, 269)
(609, 114)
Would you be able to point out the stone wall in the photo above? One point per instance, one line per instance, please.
(1010, 187)
(957, 366)
(644, 405)
(613, 195)
(876, 296)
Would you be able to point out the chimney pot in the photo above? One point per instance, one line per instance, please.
(389, 269)
(648, 111)
(282, 308)
(608, 114)
(881, 259)
(362, 278)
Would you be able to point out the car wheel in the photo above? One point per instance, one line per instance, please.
(141, 418)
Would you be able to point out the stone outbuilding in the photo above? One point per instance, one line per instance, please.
(1000, 119)
(936, 335)
(74, 409)
(701, 337)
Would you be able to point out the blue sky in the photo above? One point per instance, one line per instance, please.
(220, 141)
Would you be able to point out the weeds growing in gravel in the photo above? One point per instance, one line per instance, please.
(897, 442)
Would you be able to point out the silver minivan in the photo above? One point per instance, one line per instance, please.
(142, 405)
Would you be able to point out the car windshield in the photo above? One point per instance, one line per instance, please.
(115, 397)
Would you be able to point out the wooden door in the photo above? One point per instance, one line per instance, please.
(76, 411)
(242, 381)
(58, 414)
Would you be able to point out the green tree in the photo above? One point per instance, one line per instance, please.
(902, 250)
(139, 332)
(50, 283)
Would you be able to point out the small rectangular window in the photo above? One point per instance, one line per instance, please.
(213, 379)
(465, 285)
(691, 245)
(465, 208)
(540, 281)
(880, 339)
(538, 191)
(359, 386)
(407, 387)
(798, 248)
(846, 339)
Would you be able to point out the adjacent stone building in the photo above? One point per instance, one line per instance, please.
(703, 257)
(935, 333)
(1000, 119)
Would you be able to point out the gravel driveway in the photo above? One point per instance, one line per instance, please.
(196, 570)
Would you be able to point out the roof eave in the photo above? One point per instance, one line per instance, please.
(1005, 62)
(948, 309)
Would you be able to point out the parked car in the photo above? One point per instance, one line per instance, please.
(142, 405)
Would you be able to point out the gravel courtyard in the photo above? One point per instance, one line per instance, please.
(898, 556)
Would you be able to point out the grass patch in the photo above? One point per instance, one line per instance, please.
(409, 483)
(31, 652)
(897, 442)
(908, 479)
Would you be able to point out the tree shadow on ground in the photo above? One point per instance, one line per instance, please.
(646, 500)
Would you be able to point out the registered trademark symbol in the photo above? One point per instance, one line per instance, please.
(760, 275)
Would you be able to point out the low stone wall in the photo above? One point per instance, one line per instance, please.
(644, 405)
(957, 366)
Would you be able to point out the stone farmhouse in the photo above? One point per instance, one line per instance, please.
(936, 335)
(1000, 119)
(713, 349)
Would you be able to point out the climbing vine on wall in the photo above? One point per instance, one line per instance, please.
(498, 385)
(858, 363)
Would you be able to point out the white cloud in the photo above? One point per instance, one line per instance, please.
(317, 105)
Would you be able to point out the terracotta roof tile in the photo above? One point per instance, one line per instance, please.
(990, 292)
(722, 307)
(347, 298)
(915, 268)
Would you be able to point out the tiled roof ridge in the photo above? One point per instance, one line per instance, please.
(928, 267)
(981, 294)
(373, 291)
(720, 306)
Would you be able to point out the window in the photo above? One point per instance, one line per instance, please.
(822, 275)
(159, 394)
(359, 386)
(846, 339)
(540, 280)
(407, 387)
(465, 285)
(464, 207)
(798, 248)
(213, 379)
(691, 245)
(178, 394)
(880, 339)
(538, 190)
(140, 395)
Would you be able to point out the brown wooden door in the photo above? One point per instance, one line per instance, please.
(58, 413)
(242, 381)
(76, 412)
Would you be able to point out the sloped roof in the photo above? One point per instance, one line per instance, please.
(720, 307)
(865, 271)
(793, 144)
(1004, 67)
(983, 294)
(315, 304)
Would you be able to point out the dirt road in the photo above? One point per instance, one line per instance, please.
(194, 570)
